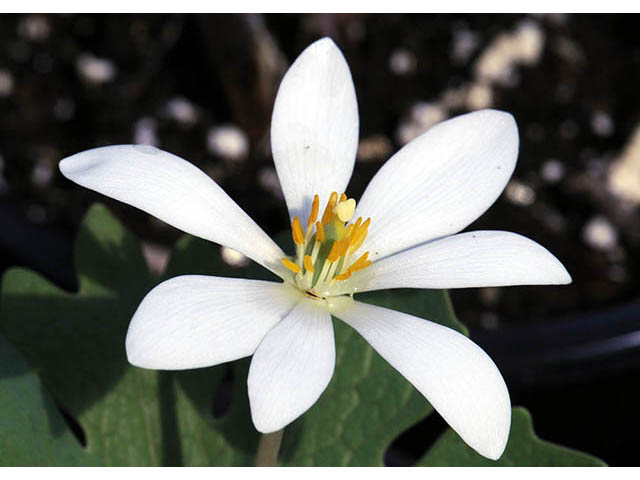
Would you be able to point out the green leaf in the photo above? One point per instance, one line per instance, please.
(76, 342)
(131, 416)
(32, 430)
(524, 449)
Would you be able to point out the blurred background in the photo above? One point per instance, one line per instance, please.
(203, 87)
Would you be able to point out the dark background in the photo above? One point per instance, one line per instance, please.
(202, 87)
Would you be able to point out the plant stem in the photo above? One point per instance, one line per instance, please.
(268, 449)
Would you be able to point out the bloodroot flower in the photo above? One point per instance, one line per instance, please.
(402, 233)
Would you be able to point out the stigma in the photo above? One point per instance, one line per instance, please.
(327, 246)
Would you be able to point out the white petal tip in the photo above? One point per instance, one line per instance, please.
(323, 43)
(72, 161)
(325, 49)
(70, 164)
(133, 360)
(82, 161)
(265, 427)
(557, 273)
(138, 362)
(507, 120)
(134, 355)
(497, 114)
(494, 446)
(565, 278)
(496, 454)
(73, 166)
(268, 421)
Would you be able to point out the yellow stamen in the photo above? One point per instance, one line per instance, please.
(295, 268)
(345, 210)
(319, 232)
(327, 216)
(353, 231)
(343, 276)
(361, 263)
(314, 211)
(308, 264)
(344, 246)
(337, 250)
(358, 242)
(296, 229)
(348, 231)
(359, 237)
(343, 237)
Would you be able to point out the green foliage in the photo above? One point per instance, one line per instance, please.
(523, 449)
(130, 416)
(32, 430)
(76, 342)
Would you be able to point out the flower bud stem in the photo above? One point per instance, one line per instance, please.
(268, 448)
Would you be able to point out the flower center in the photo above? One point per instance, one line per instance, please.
(325, 252)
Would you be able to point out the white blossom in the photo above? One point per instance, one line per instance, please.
(402, 233)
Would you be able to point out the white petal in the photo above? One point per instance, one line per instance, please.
(452, 372)
(176, 192)
(472, 259)
(197, 321)
(440, 182)
(314, 128)
(292, 366)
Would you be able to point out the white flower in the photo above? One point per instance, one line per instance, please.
(427, 192)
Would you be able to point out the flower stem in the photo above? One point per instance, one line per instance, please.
(268, 449)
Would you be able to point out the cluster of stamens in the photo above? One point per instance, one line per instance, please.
(325, 251)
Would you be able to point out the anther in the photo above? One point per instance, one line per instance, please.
(343, 276)
(349, 230)
(296, 229)
(327, 216)
(314, 210)
(308, 264)
(295, 268)
(361, 263)
(358, 238)
(336, 251)
(319, 232)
